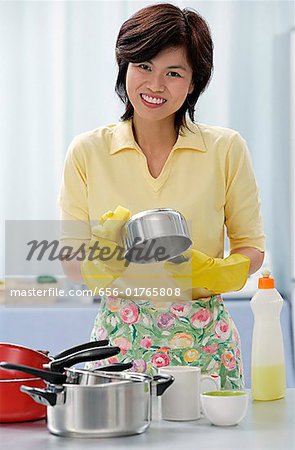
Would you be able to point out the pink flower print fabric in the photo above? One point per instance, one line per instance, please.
(153, 335)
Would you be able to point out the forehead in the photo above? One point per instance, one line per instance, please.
(172, 56)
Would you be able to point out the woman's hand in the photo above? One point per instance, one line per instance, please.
(108, 235)
(216, 275)
(105, 257)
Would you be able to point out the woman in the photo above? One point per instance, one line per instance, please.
(158, 157)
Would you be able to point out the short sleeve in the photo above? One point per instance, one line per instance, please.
(73, 198)
(242, 201)
(73, 192)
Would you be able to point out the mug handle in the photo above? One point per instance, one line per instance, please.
(211, 379)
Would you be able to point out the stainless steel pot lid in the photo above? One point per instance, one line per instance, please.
(85, 377)
(156, 235)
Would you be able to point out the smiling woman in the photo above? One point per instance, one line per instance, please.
(181, 39)
(158, 157)
(154, 85)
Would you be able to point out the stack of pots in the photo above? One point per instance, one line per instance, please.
(14, 405)
(100, 403)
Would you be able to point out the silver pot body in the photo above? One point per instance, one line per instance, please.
(100, 404)
(156, 235)
(110, 409)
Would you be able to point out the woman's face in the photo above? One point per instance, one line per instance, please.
(158, 88)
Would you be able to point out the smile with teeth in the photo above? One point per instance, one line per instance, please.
(155, 101)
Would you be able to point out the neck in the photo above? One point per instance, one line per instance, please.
(154, 136)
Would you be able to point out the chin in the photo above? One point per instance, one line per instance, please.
(154, 115)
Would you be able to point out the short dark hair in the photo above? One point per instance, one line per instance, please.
(158, 27)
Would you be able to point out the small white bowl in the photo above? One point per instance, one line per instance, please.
(225, 408)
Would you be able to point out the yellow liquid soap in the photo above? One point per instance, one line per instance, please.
(268, 382)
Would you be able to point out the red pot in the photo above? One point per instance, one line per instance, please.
(15, 406)
(19, 354)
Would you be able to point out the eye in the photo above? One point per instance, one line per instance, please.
(174, 74)
(144, 66)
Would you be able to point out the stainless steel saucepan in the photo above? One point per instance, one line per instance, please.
(100, 403)
(156, 235)
(117, 405)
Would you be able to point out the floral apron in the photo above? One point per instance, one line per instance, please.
(196, 333)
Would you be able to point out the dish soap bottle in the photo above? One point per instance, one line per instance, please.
(268, 362)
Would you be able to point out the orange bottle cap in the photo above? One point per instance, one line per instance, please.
(266, 282)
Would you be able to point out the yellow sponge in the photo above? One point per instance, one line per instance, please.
(120, 213)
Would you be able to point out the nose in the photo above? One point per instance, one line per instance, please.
(156, 83)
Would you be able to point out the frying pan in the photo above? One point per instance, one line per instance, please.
(19, 354)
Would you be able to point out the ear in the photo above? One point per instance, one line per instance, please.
(191, 88)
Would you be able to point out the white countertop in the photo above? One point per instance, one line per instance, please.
(267, 425)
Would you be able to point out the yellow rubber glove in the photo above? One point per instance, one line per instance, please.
(216, 275)
(100, 273)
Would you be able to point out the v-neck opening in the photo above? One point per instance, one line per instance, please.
(157, 183)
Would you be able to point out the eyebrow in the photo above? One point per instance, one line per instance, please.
(176, 67)
(170, 67)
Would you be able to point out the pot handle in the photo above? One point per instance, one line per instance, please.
(58, 365)
(40, 395)
(116, 367)
(161, 383)
(51, 377)
(78, 348)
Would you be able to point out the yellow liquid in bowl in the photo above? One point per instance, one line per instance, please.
(268, 382)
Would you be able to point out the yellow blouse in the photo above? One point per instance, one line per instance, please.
(208, 177)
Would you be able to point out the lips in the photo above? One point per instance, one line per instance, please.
(152, 101)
